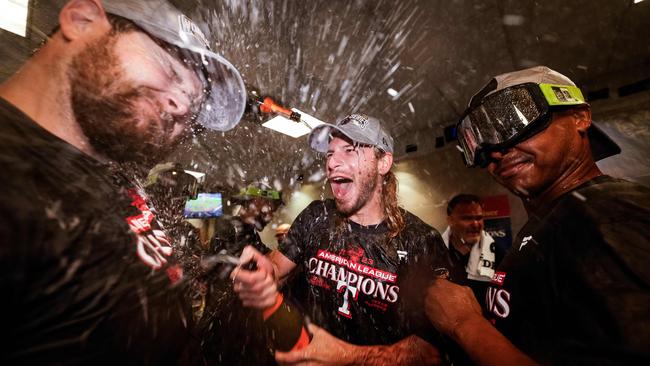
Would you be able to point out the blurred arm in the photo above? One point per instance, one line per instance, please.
(454, 311)
(325, 349)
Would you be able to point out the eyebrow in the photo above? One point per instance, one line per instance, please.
(343, 147)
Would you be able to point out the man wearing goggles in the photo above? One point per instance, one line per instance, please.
(573, 288)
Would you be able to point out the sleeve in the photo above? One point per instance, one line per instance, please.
(431, 258)
(294, 243)
(603, 248)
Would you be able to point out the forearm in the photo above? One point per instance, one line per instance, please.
(486, 346)
(411, 350)
(282, 267)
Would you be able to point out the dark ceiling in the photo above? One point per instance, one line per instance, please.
(330, 58)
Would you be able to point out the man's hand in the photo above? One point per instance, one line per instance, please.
(256, 288)
(324, 349)
(453, 310)
(448, 305)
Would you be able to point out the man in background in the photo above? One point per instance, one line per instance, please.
(256, 205)
(281, 232)
(86, 273)
(471, 249)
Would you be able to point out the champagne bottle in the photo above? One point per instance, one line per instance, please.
(286, 326)
(284, 322)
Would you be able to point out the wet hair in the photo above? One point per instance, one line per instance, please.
(392, 211)
(463, 198)
(122, 25)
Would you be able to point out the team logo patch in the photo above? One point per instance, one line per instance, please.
(525, 241)
(187, 26)
(358, 120)
(401, 254)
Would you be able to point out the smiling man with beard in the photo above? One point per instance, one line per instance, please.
(87, 275)
(574, 287)
(363, 260)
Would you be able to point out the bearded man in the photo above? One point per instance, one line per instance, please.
(86, 273)
(364, 260)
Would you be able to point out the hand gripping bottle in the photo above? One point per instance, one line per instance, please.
(286, 326)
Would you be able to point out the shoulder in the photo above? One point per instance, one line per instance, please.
(418, 233)
(606, 200)
(415, 226)
(318, 208)
(607, 219)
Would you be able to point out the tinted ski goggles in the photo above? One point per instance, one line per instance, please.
(511, 115)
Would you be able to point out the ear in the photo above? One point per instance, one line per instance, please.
(385, 163)
(582, 119)
(81, 18)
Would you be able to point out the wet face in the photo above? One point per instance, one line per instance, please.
(133, 100)
(534, 165)
(466, 222)
(353, 174)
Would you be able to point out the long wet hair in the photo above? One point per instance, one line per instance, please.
(394, 215)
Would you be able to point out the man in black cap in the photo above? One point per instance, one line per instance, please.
(87, 275)
(256, 205)
(574, 287)
(362, 261)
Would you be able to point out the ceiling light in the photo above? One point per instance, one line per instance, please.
(637, 1)
(292, 128)
(286, 126)
(13, 16)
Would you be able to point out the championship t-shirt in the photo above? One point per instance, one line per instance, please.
(575, 286)
(359, 284)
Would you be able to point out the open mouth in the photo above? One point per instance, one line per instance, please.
(340, 186)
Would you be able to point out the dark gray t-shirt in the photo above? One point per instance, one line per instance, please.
(575, 286)
(356, 283)
(85, 274)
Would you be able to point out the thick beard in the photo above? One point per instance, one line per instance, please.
(367, 184)
(103, 105)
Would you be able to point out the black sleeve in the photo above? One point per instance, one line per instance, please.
(431, 257)
(603, 248)
(292, 246)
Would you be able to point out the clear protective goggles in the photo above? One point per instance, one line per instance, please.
(509, 116)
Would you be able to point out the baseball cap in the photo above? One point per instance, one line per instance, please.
(258, 190)
(358, 128)
(602, 146)
(226, 100)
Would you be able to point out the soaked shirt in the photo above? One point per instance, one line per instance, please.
(575, 286)
(359, 285)
(86, 275)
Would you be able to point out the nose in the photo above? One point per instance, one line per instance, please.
(177, 102)
(333, 161)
